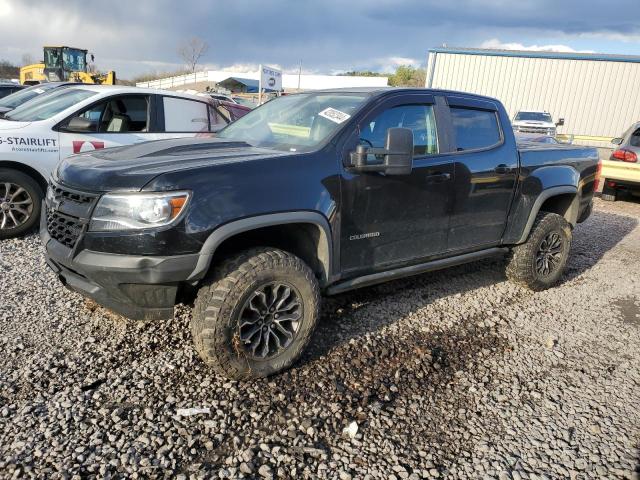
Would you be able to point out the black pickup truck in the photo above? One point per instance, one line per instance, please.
(310, 194)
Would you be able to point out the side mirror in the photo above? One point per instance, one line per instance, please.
(79, 124)
(560, 122)
(398, 154)
(617, 141)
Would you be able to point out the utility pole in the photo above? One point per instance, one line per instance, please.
(299, 73)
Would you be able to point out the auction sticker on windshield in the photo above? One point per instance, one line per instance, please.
(334, 115)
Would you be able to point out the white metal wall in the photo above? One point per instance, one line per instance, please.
(596, 98)
(289, 81)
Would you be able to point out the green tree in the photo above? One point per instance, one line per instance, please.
(408, 76)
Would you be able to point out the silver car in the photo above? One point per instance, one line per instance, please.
(622, 171)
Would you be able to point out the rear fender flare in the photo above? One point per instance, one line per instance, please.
(543, 197)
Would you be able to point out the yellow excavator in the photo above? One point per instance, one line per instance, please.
(64, 64)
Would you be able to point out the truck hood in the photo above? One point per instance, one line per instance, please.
(132, 167)
(11, 125)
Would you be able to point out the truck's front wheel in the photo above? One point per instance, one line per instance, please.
(20, 203)
(540, 262)
(256, 315)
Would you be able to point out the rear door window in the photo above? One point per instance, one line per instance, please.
(182, 115)
(634, 140)
(475, 129)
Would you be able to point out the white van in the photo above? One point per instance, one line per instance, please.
(38, 134)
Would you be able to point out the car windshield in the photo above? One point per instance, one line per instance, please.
(22, 96)
(295, 123)
(46, 106)
(533, 117)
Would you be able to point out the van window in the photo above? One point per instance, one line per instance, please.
(121, 114)
(475, 129)
(183, 115)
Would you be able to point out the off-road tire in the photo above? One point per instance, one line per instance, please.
(221, 299)
(521, 266)
(33, 189)
(608, 194)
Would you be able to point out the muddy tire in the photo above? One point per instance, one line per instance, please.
(540, 262)
(608, 194)
(256, 314)
(20, 203)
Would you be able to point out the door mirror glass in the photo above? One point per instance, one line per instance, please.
(80, 124)
(617, 141)
(397, 154)
(560, 122)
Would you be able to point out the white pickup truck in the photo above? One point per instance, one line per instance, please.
(38, 134)
(540, 123)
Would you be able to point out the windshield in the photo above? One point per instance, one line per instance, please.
(295, 123)
(46, 106)
(533, 117)
(74, 60)
(18, 98)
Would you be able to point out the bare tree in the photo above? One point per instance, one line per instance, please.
(191, 51)
(27, 59)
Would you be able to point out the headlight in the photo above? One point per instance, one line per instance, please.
(135, 211)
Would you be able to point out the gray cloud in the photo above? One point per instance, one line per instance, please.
(142, 35)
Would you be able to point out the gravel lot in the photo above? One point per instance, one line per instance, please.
(454, 374)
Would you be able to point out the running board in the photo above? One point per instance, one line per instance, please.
(373, 279)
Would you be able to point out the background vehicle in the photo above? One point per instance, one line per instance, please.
(7, 89)
(539, 123)
(244, 101)
(23, 95)
(532, 137)
(64, 64)
(315, 192)
(622, 171)
(80, 118)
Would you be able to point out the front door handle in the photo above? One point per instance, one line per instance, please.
(435, 177)
(502, 168)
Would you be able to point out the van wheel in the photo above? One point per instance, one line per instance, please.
(20, 203)
(256, 315)
(608, 194)
(540, 262)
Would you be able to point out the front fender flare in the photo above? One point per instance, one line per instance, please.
(228, 230)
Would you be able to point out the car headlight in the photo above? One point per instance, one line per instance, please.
(136, 211)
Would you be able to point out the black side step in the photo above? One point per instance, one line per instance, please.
(381, 277)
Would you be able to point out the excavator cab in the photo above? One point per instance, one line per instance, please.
(61, 64)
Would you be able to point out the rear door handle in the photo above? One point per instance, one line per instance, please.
(502, 168)
(434, 177)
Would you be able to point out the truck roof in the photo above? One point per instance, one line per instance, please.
(380, 91)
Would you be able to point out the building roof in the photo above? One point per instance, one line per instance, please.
(598, 57)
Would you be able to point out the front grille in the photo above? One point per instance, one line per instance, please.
(67, 212)
(77, 197)
(63, 228)
(542, 130)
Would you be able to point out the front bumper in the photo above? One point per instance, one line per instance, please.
(138, 287)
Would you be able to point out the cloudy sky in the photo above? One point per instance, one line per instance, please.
(139, 36)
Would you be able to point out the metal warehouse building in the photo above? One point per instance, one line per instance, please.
(597, 95)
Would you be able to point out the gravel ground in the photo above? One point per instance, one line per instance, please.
(454, 374)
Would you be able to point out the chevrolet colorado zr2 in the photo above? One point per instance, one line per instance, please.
(309, 194)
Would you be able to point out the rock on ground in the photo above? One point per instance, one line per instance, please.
(453, 374)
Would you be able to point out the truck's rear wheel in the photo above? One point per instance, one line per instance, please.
(20, 203)
(540, 262)
(256, 315)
